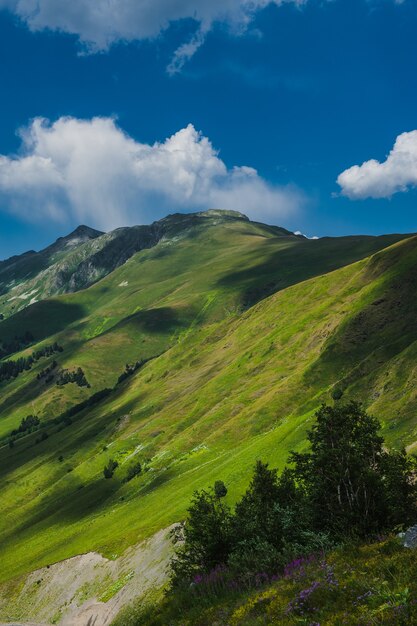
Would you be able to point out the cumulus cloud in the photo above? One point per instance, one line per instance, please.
(100, 23)
(374, 179)
(91, 171)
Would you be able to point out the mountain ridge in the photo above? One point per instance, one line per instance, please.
(203, 352)
(77, 260)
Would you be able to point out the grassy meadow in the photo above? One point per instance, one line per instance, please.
(248, 328)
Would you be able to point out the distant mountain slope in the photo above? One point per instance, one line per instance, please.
(30, 276)
(86, 255)
(81, 258)
(234, 375)
(205, 268)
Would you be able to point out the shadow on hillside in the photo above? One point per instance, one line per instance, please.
(34, 388)
(67, 496)
(26, 395)
(26, 267)
(43, 319)
(72, 500)
(162, 320)
(159, 480)
(298, 261)
(378, 332)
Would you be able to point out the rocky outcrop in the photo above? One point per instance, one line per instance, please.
(409, 538)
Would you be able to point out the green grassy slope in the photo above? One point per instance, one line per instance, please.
(233, 383)
(208, 269)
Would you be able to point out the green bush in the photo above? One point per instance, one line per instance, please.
(133, 471)
(110, 468)
(347, 486)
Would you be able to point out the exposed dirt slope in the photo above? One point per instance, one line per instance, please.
(87, 590)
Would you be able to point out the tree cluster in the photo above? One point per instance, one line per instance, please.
(77, 377)
(12, 369)
(133, 470)
(131, 369)
(110, 468)
(27, 425)
(347, 486)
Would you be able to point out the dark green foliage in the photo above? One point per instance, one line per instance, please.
(349, 480)
(255, 514)
(12, 369)
(251, 556)
(110, 468)
(271, 523)
(206, 537)
(399, 488)
(133, 471)
(27, 425)
(220, 489)
(346, 487)
(77, 377)
(337, 393)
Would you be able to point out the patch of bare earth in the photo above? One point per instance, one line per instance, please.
(87, 590)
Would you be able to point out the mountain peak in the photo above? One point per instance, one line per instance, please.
(84, 232)
(81, 234)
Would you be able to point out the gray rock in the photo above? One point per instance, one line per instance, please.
(410, 538)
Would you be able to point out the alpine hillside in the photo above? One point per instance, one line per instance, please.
(194, 346)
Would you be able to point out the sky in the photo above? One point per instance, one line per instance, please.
(301, 113)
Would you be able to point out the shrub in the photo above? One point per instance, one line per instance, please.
(220, 489)
(110, 468)
(133, 471)
(337, 393)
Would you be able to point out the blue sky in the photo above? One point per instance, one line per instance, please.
(301, 92)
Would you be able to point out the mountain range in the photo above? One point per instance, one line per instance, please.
(205, 341)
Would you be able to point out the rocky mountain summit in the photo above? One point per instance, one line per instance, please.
(86, 255)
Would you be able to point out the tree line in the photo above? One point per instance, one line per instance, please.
(12, 369)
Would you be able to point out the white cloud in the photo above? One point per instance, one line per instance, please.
(100, 23)
(374, 179)
(91, 171)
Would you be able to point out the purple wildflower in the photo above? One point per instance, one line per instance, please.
(363, 597)
(300, 602)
